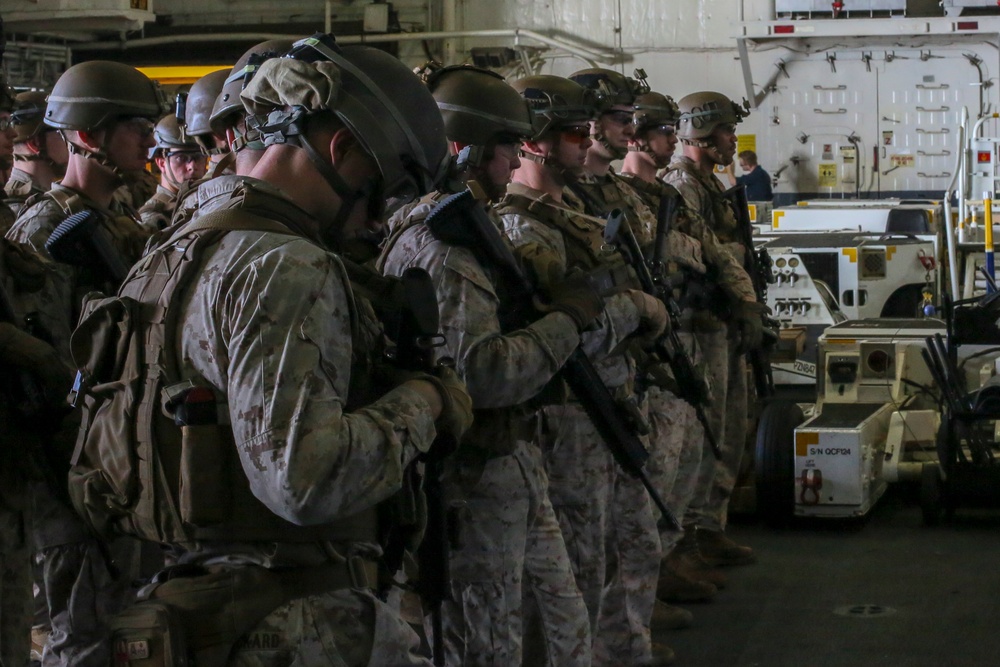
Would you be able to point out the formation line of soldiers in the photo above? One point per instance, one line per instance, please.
(318, 411)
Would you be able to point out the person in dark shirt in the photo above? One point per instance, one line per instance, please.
(757, 180)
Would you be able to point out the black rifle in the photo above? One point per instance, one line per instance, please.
(669, 348)
(463, 221)
(81, 240)
(758, 265)
(417, 333)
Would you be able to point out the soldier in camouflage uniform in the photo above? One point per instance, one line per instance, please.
(6, 145)
(105, 110)
(510, 536)
(270, 325)
(603, 513)
(707, 129)
(40, 154)
(708, 268)
(21, 441)
(180, 162)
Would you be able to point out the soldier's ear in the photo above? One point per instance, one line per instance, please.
(91, 139)
(34, 144)
(342, 142)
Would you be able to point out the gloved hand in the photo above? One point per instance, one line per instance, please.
(456, 405)
(653, 318)
(23, 350)
(543, 267)
(748, 324)
(576, 297)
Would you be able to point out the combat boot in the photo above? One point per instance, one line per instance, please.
(719, 550)
(675, 587)
(686, 560)
(662, 655)
(667, 617)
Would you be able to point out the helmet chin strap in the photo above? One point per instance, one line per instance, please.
(616, 153)
(558, 170)
(98, 156)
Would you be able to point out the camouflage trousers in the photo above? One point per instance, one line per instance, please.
(511, 547)
(15, 588)
(80, 592)
(607, 522)
(727, 416)
(676, 447)
(345, 628)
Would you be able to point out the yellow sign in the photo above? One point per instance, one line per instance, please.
(746, 142)
(803, 440)
(180, 74)
(827, 175)
(902, 160)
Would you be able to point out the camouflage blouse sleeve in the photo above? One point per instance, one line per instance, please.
(731, 275)
(620, 317)
(499, 369)
(285, 344)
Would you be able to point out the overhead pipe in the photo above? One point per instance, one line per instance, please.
(517, 34)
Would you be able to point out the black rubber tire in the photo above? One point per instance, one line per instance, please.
(904, 302)
(931, 497)
(775, 461)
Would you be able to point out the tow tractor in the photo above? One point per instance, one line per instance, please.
(846, 261)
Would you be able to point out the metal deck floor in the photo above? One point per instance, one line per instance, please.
(942, 585)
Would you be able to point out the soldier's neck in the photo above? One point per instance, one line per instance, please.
(640, 165)
(92, 180)
(597, 163)
(705, 163)
(41, 173)
(539, 177)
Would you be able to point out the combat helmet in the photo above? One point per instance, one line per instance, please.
(555, 101)
(478, 107)
(702, 112)
(26, 118)
(91, 94)
(228, 107)
(384, 105)
(169, 138)
(198, 105)
(651, 110)
(610, 87)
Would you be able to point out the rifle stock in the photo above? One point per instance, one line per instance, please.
(462, 220)
(416, 328)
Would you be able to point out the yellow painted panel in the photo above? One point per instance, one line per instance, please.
(803, 440)
(890, 250)
(840, 341)
(851, 253)
(776, 218)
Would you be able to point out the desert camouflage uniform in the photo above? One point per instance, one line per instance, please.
(677, 436)
(20, 186)
(80, 592)
(59, 306)
(136, 190)
(279, 348)
(510, 537)
(725, 365)
(156, 213)
(605, 515)
(16, 606)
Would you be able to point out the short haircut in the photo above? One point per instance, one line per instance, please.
(748, 156)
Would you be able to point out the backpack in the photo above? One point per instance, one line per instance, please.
(134, 470)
